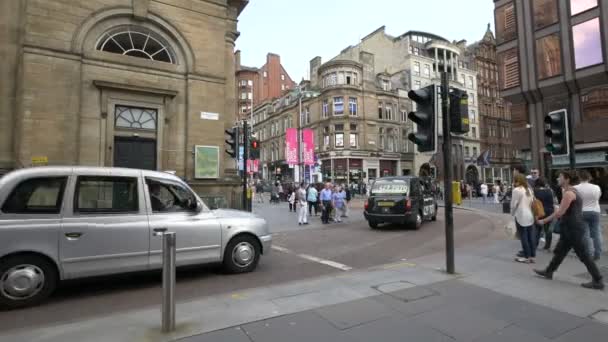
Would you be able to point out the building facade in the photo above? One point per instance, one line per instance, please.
(418, 56)
(138, 83)
(552, 55)
(360, 115)
(497, 153)
(256, 85)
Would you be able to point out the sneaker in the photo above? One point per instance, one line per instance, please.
(594, 285)
(542, 240)
(523, 260)
(544, 274)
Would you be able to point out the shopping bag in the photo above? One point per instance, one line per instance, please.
(511, 230)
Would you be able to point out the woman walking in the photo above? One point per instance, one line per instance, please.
(572, 232)
(521, 210)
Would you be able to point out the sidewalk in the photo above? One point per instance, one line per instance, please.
(491, 299)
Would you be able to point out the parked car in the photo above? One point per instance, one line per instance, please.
(61, 223)
(404, 200)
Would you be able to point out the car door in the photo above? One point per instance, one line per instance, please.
(197, 232)
(106, 229)
(427, 200)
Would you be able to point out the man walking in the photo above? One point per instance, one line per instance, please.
(496, 191)
(312, 198)
(347, 197)
(301, 196)
(591, 193)
(259, 192)
(326, 203)
(484, 192)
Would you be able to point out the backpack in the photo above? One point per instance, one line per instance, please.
(538, 210)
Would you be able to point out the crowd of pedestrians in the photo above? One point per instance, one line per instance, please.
(330, 200)
(573, 212)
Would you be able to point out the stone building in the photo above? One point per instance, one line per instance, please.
(552, 55)
(497, 154)
(256, 85)
(414, 57)
(133, 83)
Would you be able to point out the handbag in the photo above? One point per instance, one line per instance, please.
(537, 208)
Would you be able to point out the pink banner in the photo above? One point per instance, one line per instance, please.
(291, 146)
(253, 166)
(308, 146)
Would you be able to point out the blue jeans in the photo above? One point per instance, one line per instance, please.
(593, 232)
(528, 240)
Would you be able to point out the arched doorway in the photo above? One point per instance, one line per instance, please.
(472, 175)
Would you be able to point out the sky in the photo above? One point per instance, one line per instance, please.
(299, 30)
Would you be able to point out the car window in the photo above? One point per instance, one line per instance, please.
(167, 196)
(36, 196)
(106, 194)
(390, 187)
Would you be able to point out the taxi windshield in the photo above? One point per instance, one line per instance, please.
(390, 187)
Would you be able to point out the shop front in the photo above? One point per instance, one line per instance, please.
(388, 168)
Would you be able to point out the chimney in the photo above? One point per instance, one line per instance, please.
(315, 63)
(237, 59)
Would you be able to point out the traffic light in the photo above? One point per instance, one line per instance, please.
(557, 132)
(233, 142)
(254, 149)
(459, 111)
(425, 118)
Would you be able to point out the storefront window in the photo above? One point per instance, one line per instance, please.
(548, 56)
(587, 43)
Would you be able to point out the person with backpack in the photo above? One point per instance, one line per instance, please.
(545, 195)
(259, 192)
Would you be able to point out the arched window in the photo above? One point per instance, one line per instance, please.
(136, 42)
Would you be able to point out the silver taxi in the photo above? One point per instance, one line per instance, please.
(61, 223)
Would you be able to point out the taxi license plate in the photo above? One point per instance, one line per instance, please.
(386, 204)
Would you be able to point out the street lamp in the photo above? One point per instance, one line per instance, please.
(302, 93)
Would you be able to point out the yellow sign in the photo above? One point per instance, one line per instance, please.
(465, 121)
(464, 101)
(41, 160)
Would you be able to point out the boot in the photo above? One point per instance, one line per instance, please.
(594, 285)
(544, 274)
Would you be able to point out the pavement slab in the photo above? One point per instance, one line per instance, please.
(300, 327)
(227, 335)
(589, 332)
(396, 329)
(461, 323)
(512, 333)
(354, 313)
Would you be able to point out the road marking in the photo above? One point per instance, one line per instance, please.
(314, 259)
(399, 264)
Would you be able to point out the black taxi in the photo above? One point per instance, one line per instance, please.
(406, 200)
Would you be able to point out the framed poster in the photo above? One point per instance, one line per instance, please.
(206, 161)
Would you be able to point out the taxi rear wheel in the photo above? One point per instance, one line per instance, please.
(372, 224)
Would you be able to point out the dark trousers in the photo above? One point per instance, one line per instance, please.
(546, 228)
(573, 238)
(326, 211)
(312, 205)
(527, 236)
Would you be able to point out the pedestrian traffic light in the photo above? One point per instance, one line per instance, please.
(233, 142)
(254, 149)
(459, 111)
(425, 118)
(557, 132)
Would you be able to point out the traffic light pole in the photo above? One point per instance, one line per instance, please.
(447, 177)
(571, 140)
(245, 158)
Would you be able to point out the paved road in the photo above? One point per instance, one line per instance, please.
(301, 252)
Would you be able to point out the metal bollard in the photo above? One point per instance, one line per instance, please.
(168, 304)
